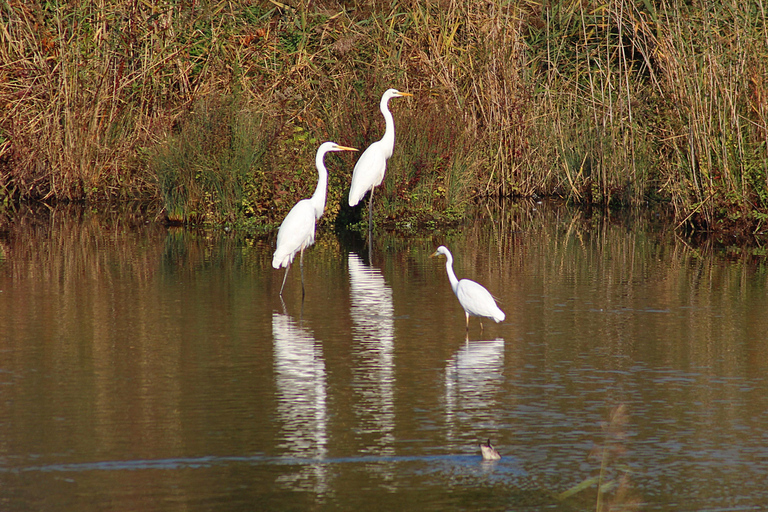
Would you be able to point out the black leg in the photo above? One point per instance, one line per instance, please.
(370, 211)
(301, 264)
(285, 276)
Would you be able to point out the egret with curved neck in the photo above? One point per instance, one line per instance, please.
(297, 232)
(473, 297)
(370, 168)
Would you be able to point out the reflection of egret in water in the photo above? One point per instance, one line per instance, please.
(373, 366)
(473, 377)
(301, 401)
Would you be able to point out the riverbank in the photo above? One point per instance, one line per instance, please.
(214, 112)
(509, 218)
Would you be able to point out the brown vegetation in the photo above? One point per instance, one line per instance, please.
(215, 109)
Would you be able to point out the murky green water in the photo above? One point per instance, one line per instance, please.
(147, 369)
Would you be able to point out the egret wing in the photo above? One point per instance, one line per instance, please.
(368, 172)
(297, 232)
(477, 301)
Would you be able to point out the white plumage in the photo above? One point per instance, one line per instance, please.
(297, 232)
(370, 167)
(473, 297)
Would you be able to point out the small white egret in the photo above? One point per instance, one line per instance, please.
(489, 452)
(297, 232)
(473, 297)
(369, 169)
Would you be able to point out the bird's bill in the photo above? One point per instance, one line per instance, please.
(345, 148)
(434, 254)
(400, 93)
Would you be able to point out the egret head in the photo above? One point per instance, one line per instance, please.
(332, 146)
(442, 250)
(394, 93)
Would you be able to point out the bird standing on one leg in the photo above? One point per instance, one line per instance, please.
(473, 297)
(297, 232)
(369, 169)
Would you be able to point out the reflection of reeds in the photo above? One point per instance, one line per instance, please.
(79, 282)
(550, 250)
(65, 243)
(92, 301)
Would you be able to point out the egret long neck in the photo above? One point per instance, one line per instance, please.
(388, 140)
(318, 198)
(451, 275)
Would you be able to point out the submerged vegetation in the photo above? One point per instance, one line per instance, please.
(214, 109)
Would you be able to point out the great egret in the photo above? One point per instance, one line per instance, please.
(369, 169)
(297, 232)
(489, 452)
(473, 297)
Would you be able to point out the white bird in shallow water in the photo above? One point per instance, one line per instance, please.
(370, 167)
(473, 297)
(297, 232)
(489, 452)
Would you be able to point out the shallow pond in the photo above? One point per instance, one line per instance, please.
(143, 368)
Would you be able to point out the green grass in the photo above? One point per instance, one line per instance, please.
(214, 168)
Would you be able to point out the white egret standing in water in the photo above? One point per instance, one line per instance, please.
(297, 232)
(369, 169)
(473, 297)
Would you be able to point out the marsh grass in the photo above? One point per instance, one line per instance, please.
(209, 169)
(79, 95)
(608, 103)
(715, 73)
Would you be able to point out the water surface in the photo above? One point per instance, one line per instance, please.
(143, 368)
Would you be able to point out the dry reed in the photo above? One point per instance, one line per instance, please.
(611, 103)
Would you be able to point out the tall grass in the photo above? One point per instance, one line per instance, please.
(88, 85)
(601, 102)
(715, 73)
(207, 169)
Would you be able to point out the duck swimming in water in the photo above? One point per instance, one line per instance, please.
(489, 452)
